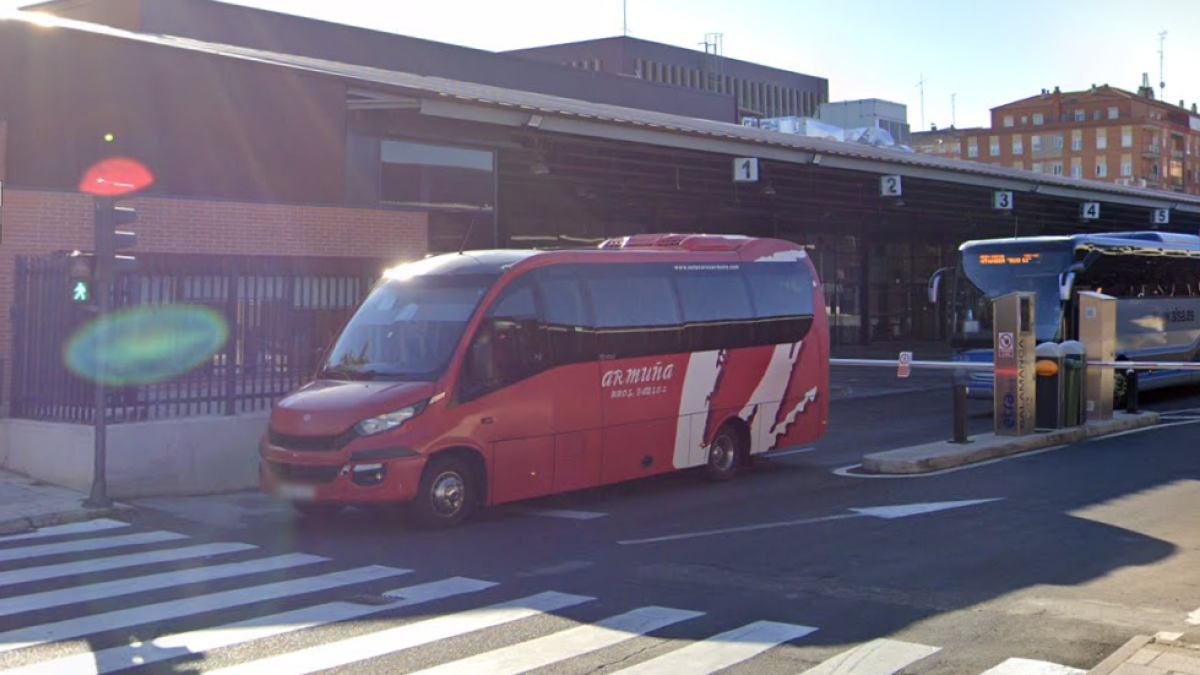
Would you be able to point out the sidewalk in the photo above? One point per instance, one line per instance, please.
(26, 505)
(1162, 654)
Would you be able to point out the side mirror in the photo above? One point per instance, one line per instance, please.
(935, 283)
(482, 363)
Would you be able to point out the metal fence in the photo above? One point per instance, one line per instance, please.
(280, 313)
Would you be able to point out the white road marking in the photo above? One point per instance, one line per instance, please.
(203, 640)
(1140, 430)
(173, 609)
(363, 647)
(885, 512)
(92, 565)
(526, 656)
(1030, 667)
(84, 527)
(877, 657)
(26, 552)
(720, 651)
(553, 570)
(906, 510)
(111, 589)
(844, 472)
(560, 513)
(1193, 618)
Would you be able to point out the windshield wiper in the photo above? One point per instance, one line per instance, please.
(347, 374)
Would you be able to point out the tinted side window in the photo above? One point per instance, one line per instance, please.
(716, 306)
(637, 313)
(712, 294)
(567, 324)
(783, 301)
(508, 346)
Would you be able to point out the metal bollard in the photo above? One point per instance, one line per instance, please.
(1131, 391)
(960, 413)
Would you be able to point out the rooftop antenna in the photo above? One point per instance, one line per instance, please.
(463, 246)
(1162, 37)
(921, 84)
(625, 18)
(953, 115)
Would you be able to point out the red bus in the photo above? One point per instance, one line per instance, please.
(479, 378)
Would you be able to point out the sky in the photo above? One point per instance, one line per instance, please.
(972, 55)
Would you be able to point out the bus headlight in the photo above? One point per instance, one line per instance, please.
(389, 421)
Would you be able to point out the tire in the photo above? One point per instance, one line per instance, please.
(726, 453)
(318, 510)
(446, 495)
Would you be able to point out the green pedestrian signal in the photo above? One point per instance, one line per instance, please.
(81, 292)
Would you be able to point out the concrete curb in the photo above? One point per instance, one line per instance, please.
(1117, 658)
(945, 455)
(26, 524)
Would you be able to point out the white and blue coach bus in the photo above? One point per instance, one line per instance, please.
(1155, 277)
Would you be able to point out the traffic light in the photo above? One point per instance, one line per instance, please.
(81, 288)
(110, 239)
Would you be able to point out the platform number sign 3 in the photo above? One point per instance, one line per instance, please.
(889, 186)
(1002, 200)
(1161, 216)
(745, 170)
(1089, 210)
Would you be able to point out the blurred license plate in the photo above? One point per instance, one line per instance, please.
(299, 492)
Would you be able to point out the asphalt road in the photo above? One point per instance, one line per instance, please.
(1058, 556)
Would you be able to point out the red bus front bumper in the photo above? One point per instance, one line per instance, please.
(333, 477)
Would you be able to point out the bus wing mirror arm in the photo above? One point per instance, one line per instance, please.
(935, 283)
(1066, 282)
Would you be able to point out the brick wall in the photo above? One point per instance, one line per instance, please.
(38, 223)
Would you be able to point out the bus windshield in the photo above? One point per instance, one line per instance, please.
(406, 329)
(1001, 268)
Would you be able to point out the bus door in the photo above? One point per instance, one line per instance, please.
(575, 402)
(506, 392)
(639, 340)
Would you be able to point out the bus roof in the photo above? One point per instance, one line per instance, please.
(1140, 242)
(497, 260)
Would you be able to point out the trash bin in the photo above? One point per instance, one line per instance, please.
(1049, 386)
(1074, 371)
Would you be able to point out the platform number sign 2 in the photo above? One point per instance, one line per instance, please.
(1002, 200)
(1161, 216)
(745, 170)
(890, 186)
(1089, 210)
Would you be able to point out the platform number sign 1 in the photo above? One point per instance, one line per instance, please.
(1161, 216)
(1002, 200)
(1089, 210)
(889, 186)
(745, 170)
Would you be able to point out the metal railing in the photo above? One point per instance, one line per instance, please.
(960, 390)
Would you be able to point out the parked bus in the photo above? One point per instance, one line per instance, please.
(1155, 277)
(480, 378)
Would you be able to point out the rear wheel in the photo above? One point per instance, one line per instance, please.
(446, 494)
(725, 455)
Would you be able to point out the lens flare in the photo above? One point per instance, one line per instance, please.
(145, 345)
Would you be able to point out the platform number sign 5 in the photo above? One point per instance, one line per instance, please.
(1089, 210)
(1161, 216)
(1002, 200)
(745, 170)
(889, 186)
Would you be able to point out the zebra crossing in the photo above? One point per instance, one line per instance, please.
(145, 598)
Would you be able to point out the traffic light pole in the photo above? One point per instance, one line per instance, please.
(98, 497)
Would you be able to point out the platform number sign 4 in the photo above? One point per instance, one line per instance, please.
(1002, 200)
(890, 186)
(745, 170)
(1161, 216)
(1089, 210)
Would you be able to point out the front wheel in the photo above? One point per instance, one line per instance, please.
(725, 455)
(445, 495)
